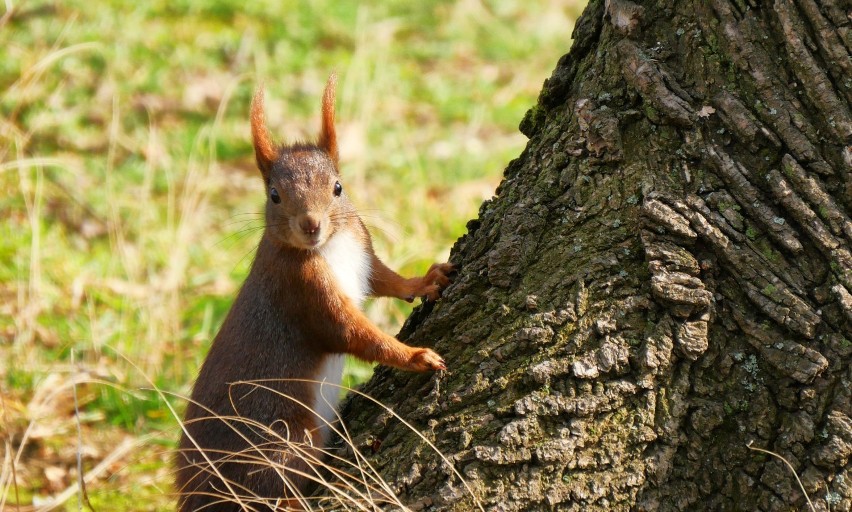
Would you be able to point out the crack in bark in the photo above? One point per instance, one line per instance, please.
(748, 196)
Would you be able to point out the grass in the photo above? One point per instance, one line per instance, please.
(129, 208)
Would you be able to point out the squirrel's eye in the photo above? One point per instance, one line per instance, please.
(338, 188)
(273, 194)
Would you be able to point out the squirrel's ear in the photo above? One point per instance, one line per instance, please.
(264, 149)
(328, 137)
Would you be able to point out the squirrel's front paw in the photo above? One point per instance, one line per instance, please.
(425, 360)
(435, 280)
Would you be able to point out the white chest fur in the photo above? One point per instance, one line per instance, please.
(351, 264)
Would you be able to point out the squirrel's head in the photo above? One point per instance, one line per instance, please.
(305, 203)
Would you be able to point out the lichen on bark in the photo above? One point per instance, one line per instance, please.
(663, 277)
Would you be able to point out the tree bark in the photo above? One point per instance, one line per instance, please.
(663, 278)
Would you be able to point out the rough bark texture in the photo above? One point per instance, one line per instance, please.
(663, 277)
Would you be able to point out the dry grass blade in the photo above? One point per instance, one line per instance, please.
(8, 476)
(347, 491)
(23, 163)
(363, 490)
(117, 454)
(81, 482)
(792, 470)
(345, 436)
(177, 416)
(370, 480)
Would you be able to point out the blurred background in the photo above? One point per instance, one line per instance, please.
(130, 203)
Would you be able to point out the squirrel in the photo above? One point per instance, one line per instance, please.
(293, 320)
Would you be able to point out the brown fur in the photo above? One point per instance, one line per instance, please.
(264, 149)
(288, 317)
(328, 135)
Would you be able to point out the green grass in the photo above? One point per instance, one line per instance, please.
(130, 198)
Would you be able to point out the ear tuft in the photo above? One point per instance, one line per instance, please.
(328, 137)
(264, 149)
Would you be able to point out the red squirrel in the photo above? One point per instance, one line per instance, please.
(293, 320)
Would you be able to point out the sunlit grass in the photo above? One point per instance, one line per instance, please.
(129, 205)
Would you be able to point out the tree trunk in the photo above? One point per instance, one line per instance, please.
(663, 279)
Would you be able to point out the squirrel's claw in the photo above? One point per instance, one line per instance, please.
(425, 360)
(433, 283)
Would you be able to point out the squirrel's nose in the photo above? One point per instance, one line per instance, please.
(309, 225)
